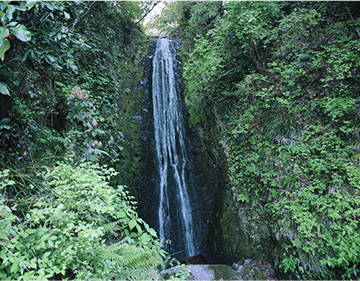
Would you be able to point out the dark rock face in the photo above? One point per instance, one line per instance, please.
(147, 198)
(254, 270)
(196, 259)
(217, 228)
(149, 194)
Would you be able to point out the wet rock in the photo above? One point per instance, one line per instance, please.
(259, 275)
(235, 266)
(240, 269)
(271, 273)
(247, 270)
(196, 259)
(254, 270)
(204, 272)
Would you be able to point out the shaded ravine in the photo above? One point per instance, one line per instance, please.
(202, 183)
(170, 151)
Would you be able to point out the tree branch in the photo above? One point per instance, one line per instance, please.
(18, 259)
(148, 12)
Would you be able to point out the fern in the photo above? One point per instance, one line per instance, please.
(112, 226)
(128, 258)
(127, 255)
(169, 262)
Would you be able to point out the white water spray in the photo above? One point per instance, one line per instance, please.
(170, 146)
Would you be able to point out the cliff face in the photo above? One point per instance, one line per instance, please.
(273, 107)
(93, 46)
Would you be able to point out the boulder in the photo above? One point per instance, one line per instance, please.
(203, 272)
(254, 270)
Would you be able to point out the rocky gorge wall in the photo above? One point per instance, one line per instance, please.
(149, 191)
(226, 239)
(219, 235)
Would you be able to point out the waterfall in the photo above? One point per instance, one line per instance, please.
(170, 150)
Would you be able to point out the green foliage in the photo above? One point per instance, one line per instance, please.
(5, 181)
(167, 21)
(83, 129)
(11, 27)
(69, 47)
(5, 127)
(274, 85)
(282, 78)
(62, 218)
(133, 263)
(183, 274)
(64, 233)
(3, 89)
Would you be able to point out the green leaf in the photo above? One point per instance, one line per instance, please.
(50, 6)
(14, 267)
(21, 32)
(138, 227)
(3, 89)
(120, 214)
(153, 232)
(11, 24)
(4, 46)
(4, 32)
(132, 223)
(9, 13)
(51, 59)
(22, 7)
(145, 238)
(30, 4)
(3, 5)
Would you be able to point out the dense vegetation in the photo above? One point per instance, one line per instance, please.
(69, 83)
(281, 82)
(272, 90)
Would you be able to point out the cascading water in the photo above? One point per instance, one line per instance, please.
(170, 150)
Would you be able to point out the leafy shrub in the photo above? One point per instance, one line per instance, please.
(283, 79)
(83, 126)
(74, 230)
(60, 224)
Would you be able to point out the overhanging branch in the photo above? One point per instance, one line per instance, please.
(152, 7)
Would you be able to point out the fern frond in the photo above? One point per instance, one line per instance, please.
(141, 274)
(112, 226)
(131, 257)
(169, 262)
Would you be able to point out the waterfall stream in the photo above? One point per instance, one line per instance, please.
(170, 150)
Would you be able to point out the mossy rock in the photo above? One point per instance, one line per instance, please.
(203, 272)
(259, 275)
(252, 274)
